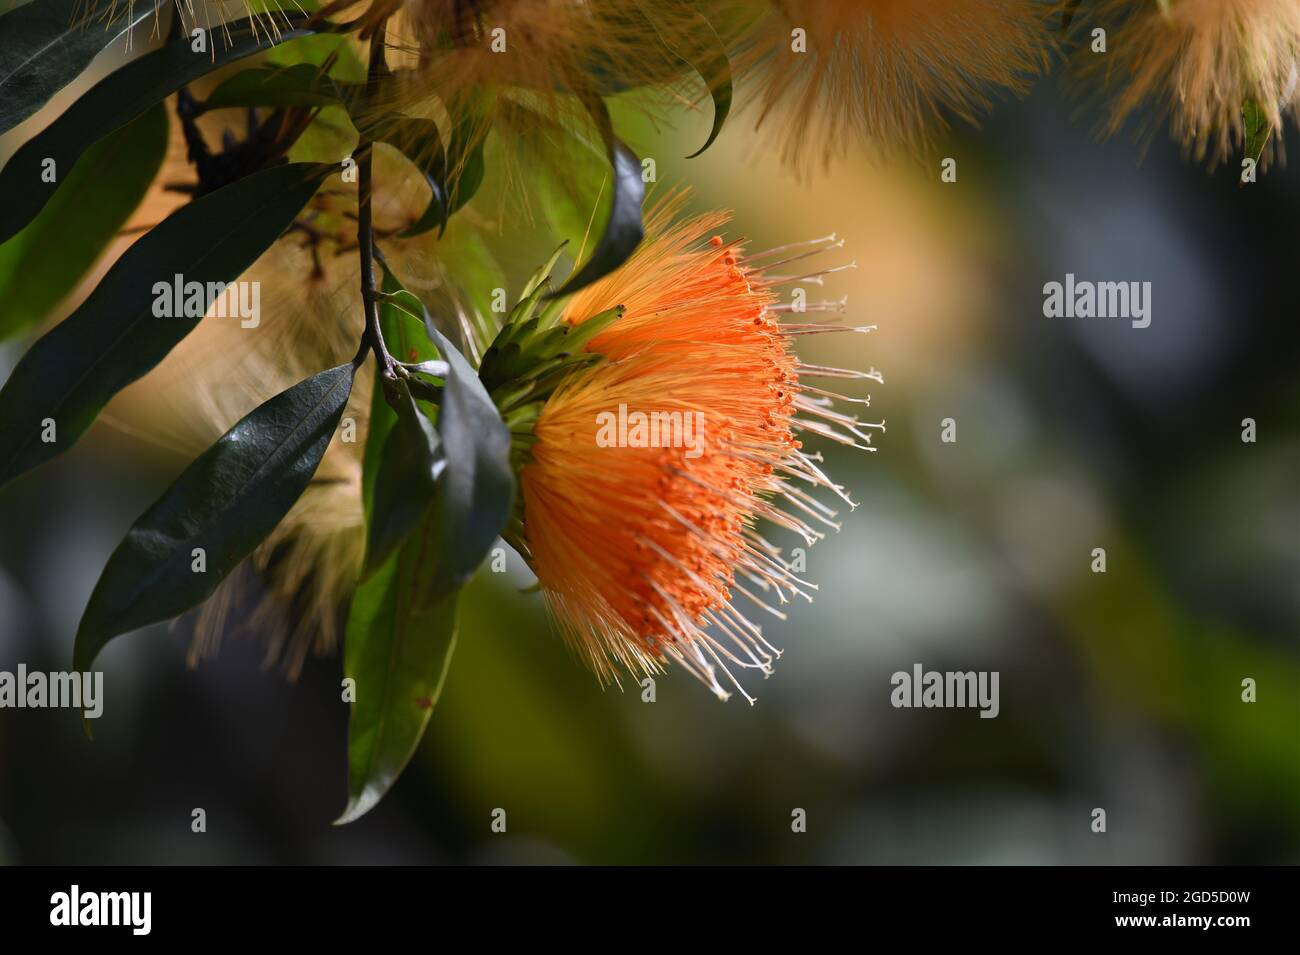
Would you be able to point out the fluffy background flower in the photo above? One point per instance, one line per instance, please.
(890, 72)
(1198, 63)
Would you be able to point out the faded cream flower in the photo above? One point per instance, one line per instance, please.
(546, 44)
(889, 72)
(1201, 63)
(535, 68)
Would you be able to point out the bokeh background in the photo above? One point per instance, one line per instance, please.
(1119, 690)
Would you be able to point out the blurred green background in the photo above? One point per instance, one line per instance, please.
(1119, 690)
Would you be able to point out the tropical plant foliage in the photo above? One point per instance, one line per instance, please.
(439, 462)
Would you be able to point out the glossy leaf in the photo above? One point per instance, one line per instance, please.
(476, 485)
(115, 336)
(79, 222)
(44, 46)
(221, 507)
(476, 488)
(110, 104)
(623, 230)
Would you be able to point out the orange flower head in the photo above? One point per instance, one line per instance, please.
(648, 470)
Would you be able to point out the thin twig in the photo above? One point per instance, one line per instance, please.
(373, 337)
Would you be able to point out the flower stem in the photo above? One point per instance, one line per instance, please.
(373, 337)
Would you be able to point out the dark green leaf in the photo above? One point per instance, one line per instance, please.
(115, 101)
(477, 483)
(477, 486)
(623, 229)
(436, 212)
(224, 504)
(44, 45)
(404, 482)
(41, 264)
(115, 337)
